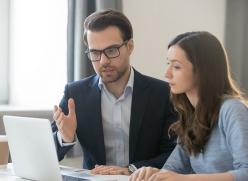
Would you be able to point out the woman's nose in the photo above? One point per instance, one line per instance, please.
(168, 72)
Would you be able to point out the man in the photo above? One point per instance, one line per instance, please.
(119, 116)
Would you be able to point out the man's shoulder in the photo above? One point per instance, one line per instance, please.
(85, 82)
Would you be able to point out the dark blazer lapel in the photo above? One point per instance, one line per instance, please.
(96, 119)
(139, 103)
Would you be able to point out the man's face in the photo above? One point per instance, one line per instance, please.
(111, 70)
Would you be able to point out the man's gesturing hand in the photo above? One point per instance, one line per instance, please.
(66, 124)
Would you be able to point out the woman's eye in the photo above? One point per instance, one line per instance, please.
(176, 67)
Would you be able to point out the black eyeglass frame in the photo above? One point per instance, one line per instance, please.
(104, 52)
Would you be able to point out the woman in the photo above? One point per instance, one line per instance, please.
(213, 125)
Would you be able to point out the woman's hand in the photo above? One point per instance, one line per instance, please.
(168, 176)
(143, 173)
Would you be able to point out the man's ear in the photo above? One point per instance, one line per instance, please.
(130, 46)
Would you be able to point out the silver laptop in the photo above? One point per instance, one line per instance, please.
(34, 156)
(32, 148)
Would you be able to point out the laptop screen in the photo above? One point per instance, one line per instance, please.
(32, 148)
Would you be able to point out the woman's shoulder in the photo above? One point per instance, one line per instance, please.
(233, 112)
(233, 104)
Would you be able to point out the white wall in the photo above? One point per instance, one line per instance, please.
(37, 52)
(4, 48)
(155, 23)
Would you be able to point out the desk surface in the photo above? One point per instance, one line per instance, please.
(7, 174)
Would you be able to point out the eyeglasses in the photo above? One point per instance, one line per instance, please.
(109, 52)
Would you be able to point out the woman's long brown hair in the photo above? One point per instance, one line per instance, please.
(214, 81)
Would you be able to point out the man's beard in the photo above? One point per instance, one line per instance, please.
(115, 75)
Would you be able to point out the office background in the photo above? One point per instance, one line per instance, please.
(38, 58)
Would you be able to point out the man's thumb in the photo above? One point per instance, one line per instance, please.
(71, 106)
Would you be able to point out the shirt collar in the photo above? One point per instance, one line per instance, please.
(128, 86)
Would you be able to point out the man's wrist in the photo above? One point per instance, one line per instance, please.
(61, 143)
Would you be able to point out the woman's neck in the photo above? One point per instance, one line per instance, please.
(193, 97)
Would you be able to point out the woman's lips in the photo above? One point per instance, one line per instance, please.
(171, 84)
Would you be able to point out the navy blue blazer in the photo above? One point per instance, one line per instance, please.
(151, 115)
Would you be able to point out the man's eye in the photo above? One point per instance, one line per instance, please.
(110, 50)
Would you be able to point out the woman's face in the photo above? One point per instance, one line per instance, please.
(179, 73)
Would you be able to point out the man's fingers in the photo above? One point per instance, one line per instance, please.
(55, 108)
(94, 169)
(66, 124)
(59, 120)
(61, 117)
(97, 169)
(56, 112)
(107, 170)
(71, 106)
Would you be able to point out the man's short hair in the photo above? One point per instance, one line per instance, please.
(101, 20)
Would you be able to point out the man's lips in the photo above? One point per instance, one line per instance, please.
(107, 70)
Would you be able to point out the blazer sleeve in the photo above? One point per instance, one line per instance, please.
(167, 143)
(158, 161)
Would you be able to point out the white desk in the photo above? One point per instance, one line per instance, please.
(7, 174)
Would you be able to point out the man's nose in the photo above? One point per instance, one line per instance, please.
(104, 59)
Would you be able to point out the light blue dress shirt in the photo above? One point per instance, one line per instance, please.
(116, 114)
(226, 150)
